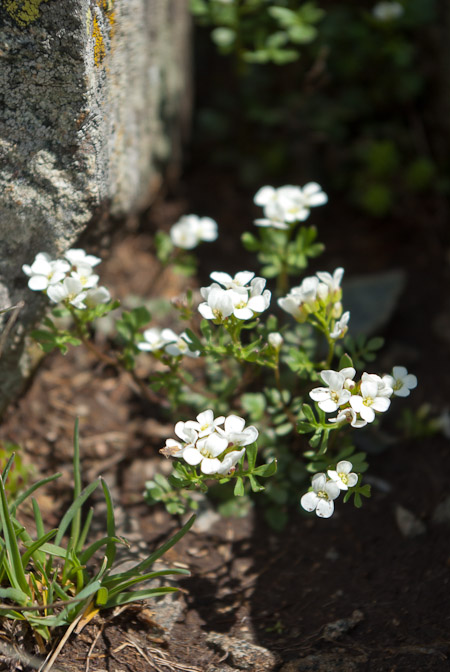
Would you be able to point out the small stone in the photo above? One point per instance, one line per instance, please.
(243, 654)
(336, 629)
(442, 512)
(409, 525)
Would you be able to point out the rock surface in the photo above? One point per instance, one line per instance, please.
(93, 94)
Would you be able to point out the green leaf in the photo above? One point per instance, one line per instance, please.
(256, 487)
(345, 361)
(251, 452)
(309, 414)
(254, 403)
(250, 242)
(266, 470)
(36, 546)
(239, 487)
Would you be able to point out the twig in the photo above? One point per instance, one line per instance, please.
(92, 647)
(49, 661)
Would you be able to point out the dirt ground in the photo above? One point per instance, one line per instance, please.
(357, 592)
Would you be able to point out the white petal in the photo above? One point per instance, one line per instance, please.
(328, 405)
(38, 282)
(209, 466)
(264, 195)
(344, 467)
(325, 508)
(192, 456)
(318, 481)
(381, 404)
(215, 444)
(309, 501)
(234, 423)
(352, 480)
(206, 312)
(221, 278)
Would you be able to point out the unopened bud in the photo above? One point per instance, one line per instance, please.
(276, 340)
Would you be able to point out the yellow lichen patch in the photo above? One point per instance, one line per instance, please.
(23, 11)
(107, 6)
(99, 45)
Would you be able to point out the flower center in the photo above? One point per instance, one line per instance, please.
(368, 401)
(217, 314)
(343, 477)
(334, 396)
(206, 453)
(322, 494)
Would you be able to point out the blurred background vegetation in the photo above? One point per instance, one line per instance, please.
(351, 94)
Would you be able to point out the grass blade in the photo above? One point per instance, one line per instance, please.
(72, 510)
(135, 595)
(13, 563)
(110, 525)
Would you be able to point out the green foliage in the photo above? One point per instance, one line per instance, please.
(257, 33)
(53, 580)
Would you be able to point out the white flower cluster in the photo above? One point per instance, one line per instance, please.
(68, 280)
(316, 290)
(387, 11)
(357, 403)
(287, 205)
(214, 444)
(156, 339)
(325, 490)
(242, 296)
(190, 230)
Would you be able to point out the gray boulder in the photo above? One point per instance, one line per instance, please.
(93, 97)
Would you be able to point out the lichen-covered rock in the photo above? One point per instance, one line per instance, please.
(93, 94)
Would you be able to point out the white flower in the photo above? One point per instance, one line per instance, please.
(218, 305)
(205, 453)
(313, 195)
(369, 401)
(330, 285)
(85, 275)
(44, 271)
(70, 290)
(180, 344)
(155, 339)
(275, 339)
(190, 230)
(254, 301)
(387, 11)
(205, 424)
(343, 475)
(350, 416)
(209, 445)
(340, 326)
(287, 205)
(300, 297)
(384, 384)
(330, 398)
(96, 295)
(239, 283)
(320, 499)
(401, 381)
(78, 256)
(236, 433)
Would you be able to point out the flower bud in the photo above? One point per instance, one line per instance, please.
(276, 340)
